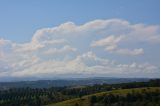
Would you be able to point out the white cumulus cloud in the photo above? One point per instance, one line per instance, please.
(93, 48)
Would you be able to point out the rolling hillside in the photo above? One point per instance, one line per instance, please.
(84, 101)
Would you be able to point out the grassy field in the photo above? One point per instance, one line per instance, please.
(85, 102)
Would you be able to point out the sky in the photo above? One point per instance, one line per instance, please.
(79, 38)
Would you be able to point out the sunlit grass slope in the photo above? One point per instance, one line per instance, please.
(84, 101)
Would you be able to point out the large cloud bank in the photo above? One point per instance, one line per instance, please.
(95, 48)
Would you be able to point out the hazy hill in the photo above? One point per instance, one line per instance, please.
(68, 82)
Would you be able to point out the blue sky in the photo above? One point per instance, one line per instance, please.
(20, 18)
(94, 37)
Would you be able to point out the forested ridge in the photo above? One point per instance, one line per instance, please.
(143, 97)
(43, 96)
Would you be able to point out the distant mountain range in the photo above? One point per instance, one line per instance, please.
(68, 82)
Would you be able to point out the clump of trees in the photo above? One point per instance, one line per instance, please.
(144, 98)
(30, 96)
